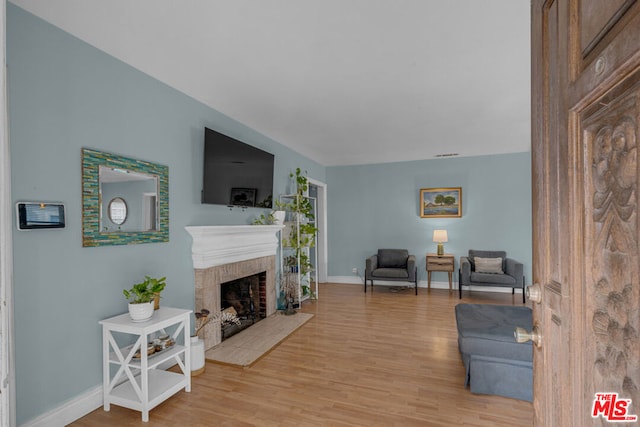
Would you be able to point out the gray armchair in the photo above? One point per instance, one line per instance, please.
(488, 271)
(391, 264)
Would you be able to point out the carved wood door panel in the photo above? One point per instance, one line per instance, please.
(585, 131)
(611, 300)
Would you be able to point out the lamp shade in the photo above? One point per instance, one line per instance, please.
(440, 236)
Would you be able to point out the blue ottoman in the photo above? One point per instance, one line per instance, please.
(495, 363)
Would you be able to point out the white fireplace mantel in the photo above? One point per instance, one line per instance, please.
(215, 245)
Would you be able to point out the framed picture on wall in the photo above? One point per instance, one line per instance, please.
(243, 197)
(441, 202)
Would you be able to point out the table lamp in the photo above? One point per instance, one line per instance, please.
(440, 236)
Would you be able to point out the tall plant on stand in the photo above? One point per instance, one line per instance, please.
(303, 235)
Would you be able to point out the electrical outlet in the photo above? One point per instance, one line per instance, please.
(354, 270)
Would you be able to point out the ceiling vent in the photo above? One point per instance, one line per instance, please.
(447, 155)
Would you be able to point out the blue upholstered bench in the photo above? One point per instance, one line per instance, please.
(494, 361)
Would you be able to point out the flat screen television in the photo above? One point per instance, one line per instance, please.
(236, 173)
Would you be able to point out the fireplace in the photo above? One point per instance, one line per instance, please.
(223, 254)
(245, 298)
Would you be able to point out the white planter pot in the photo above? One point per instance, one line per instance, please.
(278, 217)
(141, 312)
(197, 356)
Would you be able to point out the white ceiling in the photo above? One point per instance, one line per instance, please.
(339, 81)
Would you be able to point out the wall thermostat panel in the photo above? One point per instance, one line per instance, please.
(39, 215)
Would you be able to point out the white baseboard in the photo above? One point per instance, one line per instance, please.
(421, 284)
(79, 406)
(346, 279)
(489, 289)
(70, 411)
(360, 281)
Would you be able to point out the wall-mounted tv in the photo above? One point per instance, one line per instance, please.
(236, 173)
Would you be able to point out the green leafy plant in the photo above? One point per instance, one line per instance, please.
(302, 183)
(303, 236)
(306, 290)
(266, 203)
(301, 204)
(303, 208)
(265, 219)
(145, 291)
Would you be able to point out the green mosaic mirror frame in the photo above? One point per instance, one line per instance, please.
(91, 200)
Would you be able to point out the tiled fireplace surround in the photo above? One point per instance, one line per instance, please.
(225, 253)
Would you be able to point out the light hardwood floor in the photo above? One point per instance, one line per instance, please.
(377, 359)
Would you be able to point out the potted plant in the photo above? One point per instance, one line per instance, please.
(306, 290)
(288, 287)
(142, 296)
(272, 218)
(157, 285)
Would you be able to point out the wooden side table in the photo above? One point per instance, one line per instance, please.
(437, 262)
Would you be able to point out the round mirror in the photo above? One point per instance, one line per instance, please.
(118, 210)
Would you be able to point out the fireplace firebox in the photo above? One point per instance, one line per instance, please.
(246, 298)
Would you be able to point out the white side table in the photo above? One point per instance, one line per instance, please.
(137, 383)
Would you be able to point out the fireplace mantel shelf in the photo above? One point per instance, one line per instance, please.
(215, 245)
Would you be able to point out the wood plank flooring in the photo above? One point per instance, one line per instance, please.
(377, 359)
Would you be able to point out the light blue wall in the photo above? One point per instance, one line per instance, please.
(65, 95)
(376, 206)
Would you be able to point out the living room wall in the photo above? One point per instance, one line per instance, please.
(377, 206)
(65, 95)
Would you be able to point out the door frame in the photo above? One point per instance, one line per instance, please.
(7, 369)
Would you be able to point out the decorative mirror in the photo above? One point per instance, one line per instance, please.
(117, 210)
(124, 200)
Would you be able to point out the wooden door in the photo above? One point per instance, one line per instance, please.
(586, 231)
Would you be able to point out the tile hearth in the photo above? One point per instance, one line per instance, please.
(253, 343)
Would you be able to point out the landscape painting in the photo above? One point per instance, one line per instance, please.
(441, 202)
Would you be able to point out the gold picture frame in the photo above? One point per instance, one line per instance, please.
(441, 202)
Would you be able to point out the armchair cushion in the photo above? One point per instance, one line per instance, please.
(488, 265)
(491, 278)
(390, 273)
(473, 253)
(392, 258)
